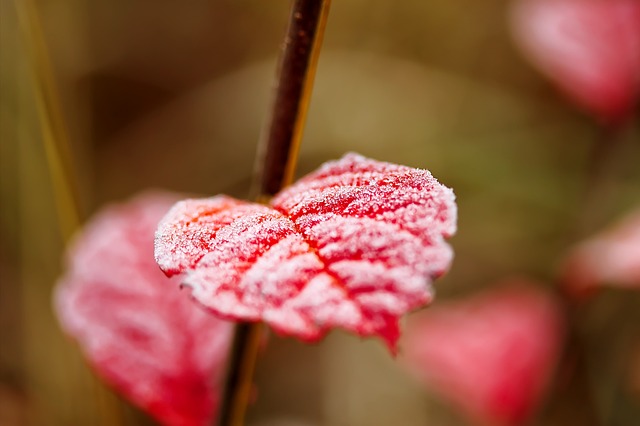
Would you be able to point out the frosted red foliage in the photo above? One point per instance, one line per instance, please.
(491, 355)
(611, 257)
(140, 333)
(355, 245)
(589, 48)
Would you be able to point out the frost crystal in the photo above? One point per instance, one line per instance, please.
(355, 245)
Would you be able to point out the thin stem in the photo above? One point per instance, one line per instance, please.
(277, 155)
(58, 152)
(242, 365)
(601, 164)
(55, 135)
(281, 137)
(575, 361)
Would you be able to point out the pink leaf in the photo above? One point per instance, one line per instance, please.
(140, 333)
(589, 48)
(491, 355)
(611, 257)
(354, 245)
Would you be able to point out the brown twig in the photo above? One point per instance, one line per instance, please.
(280, 140)
(601, 163)
(574, 365)
(277, 157)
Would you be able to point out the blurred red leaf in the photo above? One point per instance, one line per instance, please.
(490, 355)
(610, 257)
(353, 245)
(589, 48)
(141, 334)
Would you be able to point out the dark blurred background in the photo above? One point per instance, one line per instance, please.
(172, 94)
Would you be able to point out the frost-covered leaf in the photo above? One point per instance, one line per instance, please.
(589, 48)
(355, 245)
(490, 355)
(140, 333)
(611, 257)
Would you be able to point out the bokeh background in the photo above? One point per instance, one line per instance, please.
(173, 94)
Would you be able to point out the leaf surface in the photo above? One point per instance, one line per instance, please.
(141, 334)
(589, 48)
(490, 355)
(355, 245)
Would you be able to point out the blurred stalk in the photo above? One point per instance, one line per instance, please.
(601, 164)
(575, 364)
(55, 135)
(276, 161)
(64, 181)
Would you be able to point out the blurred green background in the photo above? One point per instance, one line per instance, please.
(173, 94)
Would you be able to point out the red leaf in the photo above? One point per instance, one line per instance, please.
(610, 257)
(491, 355)
(146, 339)
(589, 48)
(353, 245)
